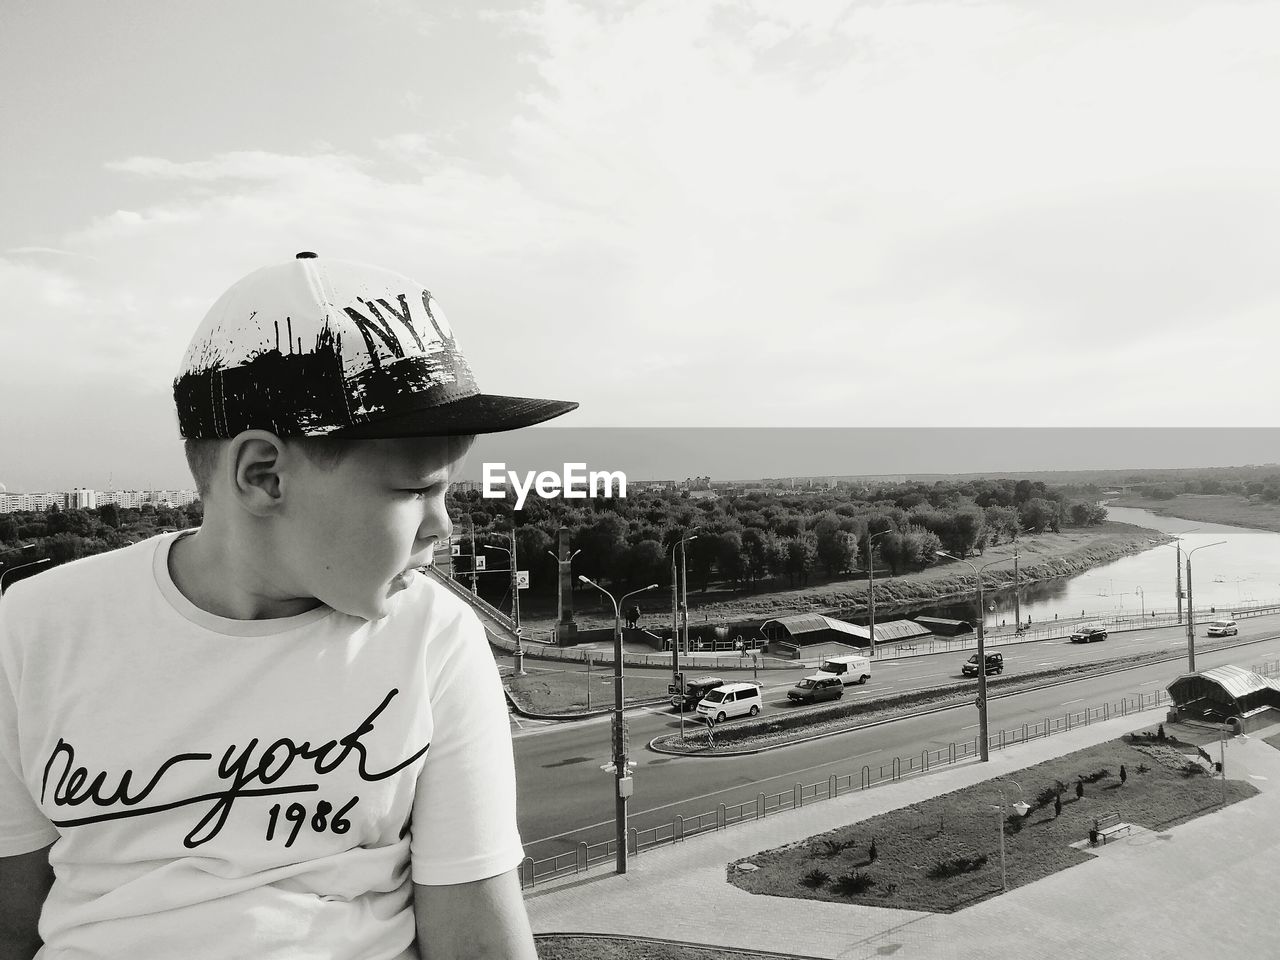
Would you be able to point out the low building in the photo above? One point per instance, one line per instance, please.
(1227, 694)
(804, 629)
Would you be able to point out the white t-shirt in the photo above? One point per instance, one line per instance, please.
(256, 789)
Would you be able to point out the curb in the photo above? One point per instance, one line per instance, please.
(586, 715)
(702, 754)
(712, 948)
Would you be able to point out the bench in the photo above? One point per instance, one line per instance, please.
(1107, 825)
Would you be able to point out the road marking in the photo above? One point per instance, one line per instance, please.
(1149, 683)
(1067, 703)
(516, 721)
(972, 726)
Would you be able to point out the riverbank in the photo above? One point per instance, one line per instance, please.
(1041, 557)
(1205, 508)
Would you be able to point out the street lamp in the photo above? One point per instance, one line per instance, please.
(1191, 614)
(1020, 808)
(871, 588)
(7, 575)
(684, 583)
(1177, 566)
(1142, 601)
(621, 771)
(515, 598)
(984, 749)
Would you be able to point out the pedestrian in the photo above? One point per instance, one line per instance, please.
(272, 735)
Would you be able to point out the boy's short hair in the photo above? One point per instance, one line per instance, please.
(202, 456)
(328, 348)
(324, 452)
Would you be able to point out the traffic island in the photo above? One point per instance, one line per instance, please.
(944, 854)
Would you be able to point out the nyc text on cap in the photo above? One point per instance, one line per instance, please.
(315, 347)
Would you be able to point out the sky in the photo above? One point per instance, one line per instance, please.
(765, 213)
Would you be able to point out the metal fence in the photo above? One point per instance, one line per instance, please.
(586, 855)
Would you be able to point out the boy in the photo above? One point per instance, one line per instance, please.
(273, 737)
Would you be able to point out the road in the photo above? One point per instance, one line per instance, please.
(566, 798)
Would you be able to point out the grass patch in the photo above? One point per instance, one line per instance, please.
(942, 854)
(565, 691)
(1232, 509)
(1274, 740)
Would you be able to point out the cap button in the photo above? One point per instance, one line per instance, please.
(305, 255)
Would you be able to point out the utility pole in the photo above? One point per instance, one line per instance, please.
(474, 591)
(1017, 601)
(1177, 566)
(1191, 622)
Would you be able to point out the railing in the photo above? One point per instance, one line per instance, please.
(681, 828)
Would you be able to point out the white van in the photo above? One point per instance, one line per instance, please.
(1223, 628)
(850, 669)
(732, 700)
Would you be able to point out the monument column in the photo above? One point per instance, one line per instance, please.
(566, 626)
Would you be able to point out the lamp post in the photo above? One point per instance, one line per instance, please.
(684, 583)
(1177, 567)
(983, 746)
(515, 599)
(1142, 604)
(1191, 614)
(6, 575)
(621, 771)
(1021, 808)
(871, 588)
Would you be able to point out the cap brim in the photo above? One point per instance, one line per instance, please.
(482, 413)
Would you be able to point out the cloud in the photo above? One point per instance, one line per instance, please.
(776, 214)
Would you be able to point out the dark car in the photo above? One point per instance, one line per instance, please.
(1088, 634)
(816, 688)
(995, 664)
(693, 692)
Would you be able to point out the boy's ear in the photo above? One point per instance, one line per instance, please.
(254, 461)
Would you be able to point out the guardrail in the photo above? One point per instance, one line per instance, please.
(586, 855)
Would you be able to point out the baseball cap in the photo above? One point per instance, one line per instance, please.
(316, 347)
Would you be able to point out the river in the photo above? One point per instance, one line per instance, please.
(1244, 568)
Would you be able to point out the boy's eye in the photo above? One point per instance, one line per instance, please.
(434, 490)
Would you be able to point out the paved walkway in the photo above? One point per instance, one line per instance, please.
(1199, 889)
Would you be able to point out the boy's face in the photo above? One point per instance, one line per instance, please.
(353, 532)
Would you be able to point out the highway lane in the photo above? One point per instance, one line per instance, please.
(906, 674)
(566, 798)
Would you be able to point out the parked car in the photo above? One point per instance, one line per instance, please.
(732, 700)
(995, 664)
(853, 668)
(815, 688)
(694, 691)
(1089, 633)
(1223, 628)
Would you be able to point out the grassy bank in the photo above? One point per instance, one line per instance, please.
(1043, 556)
(940, 855)
(1205, 508)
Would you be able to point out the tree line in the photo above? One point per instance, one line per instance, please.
(747, 539)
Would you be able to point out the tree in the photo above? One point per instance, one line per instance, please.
(1001, 522)
(8, 530)
(1079, 789)
(1038, 515)
(802, 555)
(109, 514)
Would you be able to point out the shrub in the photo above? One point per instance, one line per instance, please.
(1079, 789)
(1013, 822)
(873, 853)
(1160, 732)
(833, 848)
(854, 883)
(1142, 768)
(1050, 794)
(1191, 768)
(1124, 776)
(1057, 807)
(815, 879)
(1096, 775)
(954, 866)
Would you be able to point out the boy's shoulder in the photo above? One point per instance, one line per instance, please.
(74, 582)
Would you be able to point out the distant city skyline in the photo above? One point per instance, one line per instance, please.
(745, 454)
(1001, 213)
